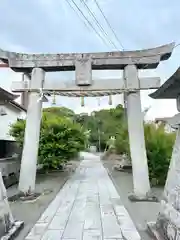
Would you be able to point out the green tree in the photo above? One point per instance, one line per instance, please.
(113, 122)
(106, 123)
(60, 111)
(60, 139)
(159, 145)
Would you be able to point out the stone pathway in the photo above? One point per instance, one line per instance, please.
(88, 207)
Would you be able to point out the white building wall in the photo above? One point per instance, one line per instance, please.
(12, 114)
(167, 127)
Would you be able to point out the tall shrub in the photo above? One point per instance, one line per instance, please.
(60, 139)
(159, 145)
(122, 140)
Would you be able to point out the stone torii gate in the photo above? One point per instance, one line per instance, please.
(167, 225)
(83, 63)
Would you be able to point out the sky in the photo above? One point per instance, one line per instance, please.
(51, 26)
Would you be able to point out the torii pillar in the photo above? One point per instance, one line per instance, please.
(24, 95)
(136, 136)
(32, 132)
(167, 225)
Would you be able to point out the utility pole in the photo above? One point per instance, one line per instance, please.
(99, 138)
(99, 134)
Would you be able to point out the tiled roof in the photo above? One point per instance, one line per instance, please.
(5, 95)
(170, 89)
(17, 105)
(10, 97)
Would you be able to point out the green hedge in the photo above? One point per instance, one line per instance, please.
(122, 140)
(159, 145)
(60, 139)
(113, 122)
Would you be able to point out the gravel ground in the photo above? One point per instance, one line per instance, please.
(49, 184)
(140, 212)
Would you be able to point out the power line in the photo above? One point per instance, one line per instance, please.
(115, 35)
(90, 24)
(98, 24)
(77, 13)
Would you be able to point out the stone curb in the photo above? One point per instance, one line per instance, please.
(14, 231)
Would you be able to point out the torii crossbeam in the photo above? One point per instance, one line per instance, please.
(148, 58)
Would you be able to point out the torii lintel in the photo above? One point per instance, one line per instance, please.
(143, 59)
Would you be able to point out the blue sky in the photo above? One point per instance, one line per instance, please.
(52, 26)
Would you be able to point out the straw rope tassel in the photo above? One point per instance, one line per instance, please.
(54, 99)
(110, 99)
(82, 102)
(99, 103)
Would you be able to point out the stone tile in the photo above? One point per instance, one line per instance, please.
(131, 235)
(77, 212)
(52, 235)
(58, 223)
(103, 193)
(92, 216)
(92, 199)
(92, 235)
(37, 231)
(47, 216)
(112, 190)
(65, 208)
(126, 223)
(73, 230)
(116, 202)
(121, 211)
(31, 237)
(111, 228)
(124, 219)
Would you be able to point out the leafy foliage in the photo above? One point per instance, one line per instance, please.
(113, 122)
(64, 134)
(60, 139)
(159, 146)
(122, 140)
(103, 124)
(59, 111)
(17, 131)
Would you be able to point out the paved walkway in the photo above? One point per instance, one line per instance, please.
(88, 207)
